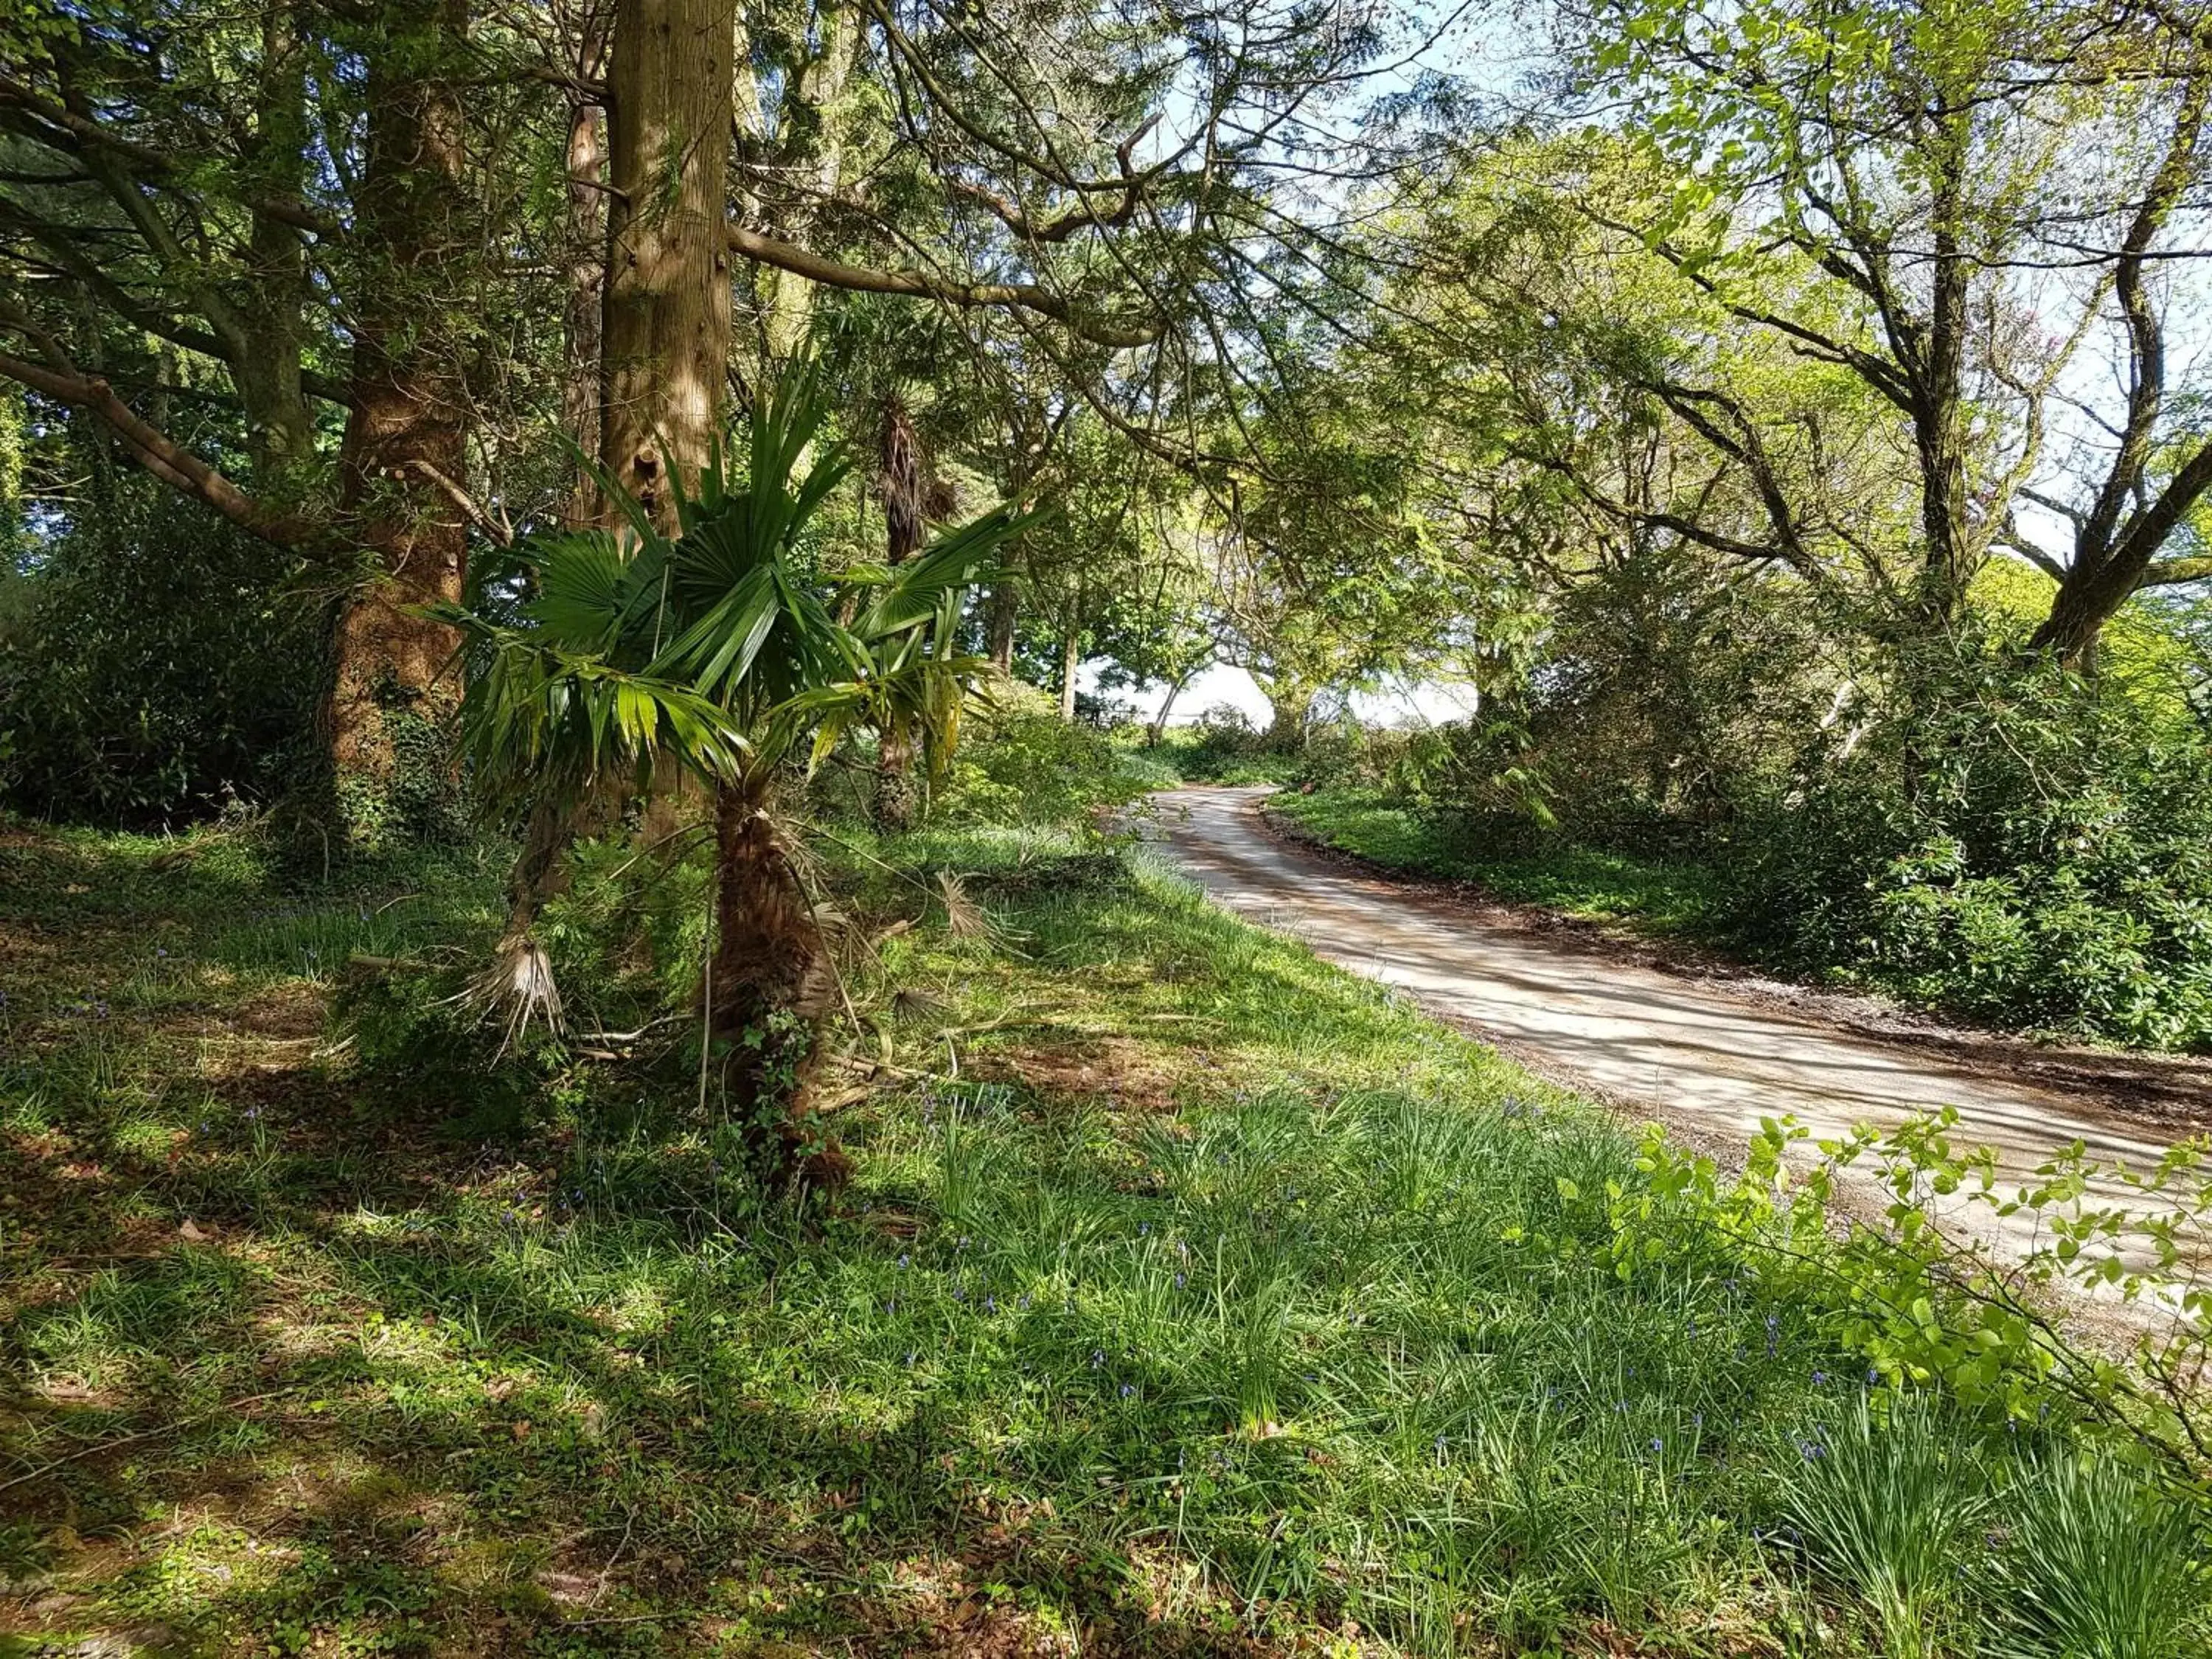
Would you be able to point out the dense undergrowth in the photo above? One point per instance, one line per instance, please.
(1190, 1296)
(1665, 897)
(1965, 826)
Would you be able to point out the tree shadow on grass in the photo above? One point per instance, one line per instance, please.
(333, 1416)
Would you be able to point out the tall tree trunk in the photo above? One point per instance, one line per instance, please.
(1952, 553)
(1292, 703)
(280, 428)
(1071, 659)
(810, 160)
(586, 238)
(392, 693)
(900, 484)
(666, 343)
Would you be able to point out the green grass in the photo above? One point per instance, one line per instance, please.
(1191, 1297)
(1656, 896)
(1189, 755)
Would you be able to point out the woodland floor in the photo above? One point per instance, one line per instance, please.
(1191, 1297)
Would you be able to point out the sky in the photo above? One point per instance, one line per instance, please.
(1415, 705)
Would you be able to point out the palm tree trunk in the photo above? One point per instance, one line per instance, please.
(769, 986)
(896, 803)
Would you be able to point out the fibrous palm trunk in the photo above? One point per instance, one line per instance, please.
(768, 987)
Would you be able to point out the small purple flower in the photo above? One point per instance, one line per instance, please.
(1657, 1444)
(1819, 1377)
(1127, 1389)
(1098, 1360)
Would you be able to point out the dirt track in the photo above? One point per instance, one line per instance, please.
(1707, 1058)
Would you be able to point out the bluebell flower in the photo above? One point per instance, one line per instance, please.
(1657, 1444)
(1128, 1388)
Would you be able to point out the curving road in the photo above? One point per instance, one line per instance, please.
(1701, 1057)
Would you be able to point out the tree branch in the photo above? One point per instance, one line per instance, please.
(178, 467)
(2171, 573)
(1028, 296)
(49, 122)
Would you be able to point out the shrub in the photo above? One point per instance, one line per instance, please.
(152, 665)
(2007, 839)
(1028, 766)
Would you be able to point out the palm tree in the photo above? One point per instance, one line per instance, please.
(718, 650)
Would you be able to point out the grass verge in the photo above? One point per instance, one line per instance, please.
(1193, 1298)
(1668, 898)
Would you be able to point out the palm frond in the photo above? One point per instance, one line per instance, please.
(538, 718)
(909, 595)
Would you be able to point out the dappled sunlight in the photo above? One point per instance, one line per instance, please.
(1191, 1297)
